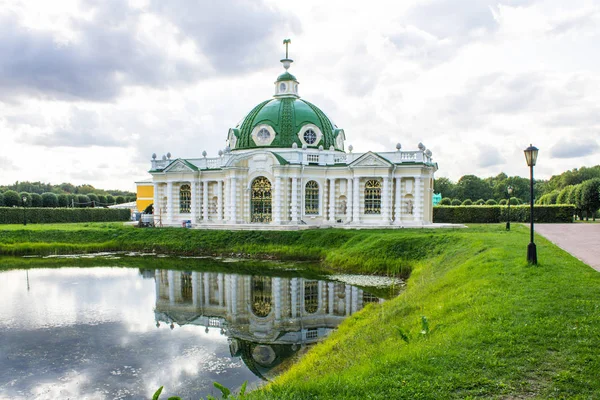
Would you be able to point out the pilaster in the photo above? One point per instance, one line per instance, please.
(350, 205)
(294, 206)
(205, 202)
(332, 200)
(356, 202)
(170, 202)
(398, 198)
(220, 199)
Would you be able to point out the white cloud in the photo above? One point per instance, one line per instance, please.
(108, 84)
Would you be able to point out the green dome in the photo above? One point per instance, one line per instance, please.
(286, 76)
(286, 116)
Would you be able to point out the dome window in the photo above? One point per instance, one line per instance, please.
(282, 87)
(263, 135)
(310, 137)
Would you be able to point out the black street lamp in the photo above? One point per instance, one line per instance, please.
(24, 198)
(531, 154)
(509, 190)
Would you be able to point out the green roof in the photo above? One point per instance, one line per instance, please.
(286, 76)
(286, 115)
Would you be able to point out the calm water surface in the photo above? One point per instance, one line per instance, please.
(120, 333)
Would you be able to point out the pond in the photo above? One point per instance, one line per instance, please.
(112, 332)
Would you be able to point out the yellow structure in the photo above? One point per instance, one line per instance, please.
(145, 194)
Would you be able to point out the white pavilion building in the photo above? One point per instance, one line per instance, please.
(287, 165)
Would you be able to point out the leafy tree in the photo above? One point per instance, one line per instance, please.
(563, 196)
(470, 186)
(120, 199)
(12, 198)
(110, 200)
(36, 200)
(456, 202)
(71, 200)
(1, 199)
(446, 201)
(590, 197)
(27, 197)
(63, 200)
(102, 200)
(444, 186)
(491, 202)
(49, 199)
(467, 202)
(514, 201)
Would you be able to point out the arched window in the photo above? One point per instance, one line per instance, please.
(373, 197)
(311, 198)
(185, 199)
(311, 296)
(261, 295)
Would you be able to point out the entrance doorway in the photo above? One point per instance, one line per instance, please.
(260, 205)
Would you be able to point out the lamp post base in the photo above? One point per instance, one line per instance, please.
(508, 226)
(532, 254)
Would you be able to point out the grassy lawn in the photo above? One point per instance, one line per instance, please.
(475, 321)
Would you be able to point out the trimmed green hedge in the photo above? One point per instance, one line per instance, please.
(14, 215)
(494, 214)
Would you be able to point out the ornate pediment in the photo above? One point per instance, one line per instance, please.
(370, 160)
(179, 166)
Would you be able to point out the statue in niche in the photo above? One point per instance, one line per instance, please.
(343, 207)
(410, 206)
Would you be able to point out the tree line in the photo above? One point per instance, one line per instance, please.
(38, 194)
(579, 187)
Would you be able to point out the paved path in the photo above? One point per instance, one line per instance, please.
(581, 240)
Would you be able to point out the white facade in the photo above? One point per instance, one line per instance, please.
(286, 165)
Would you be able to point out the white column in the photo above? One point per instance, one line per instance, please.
(385, 200)
(206, 288)
(277, 189)
(294, 206)
(220, 200)
(157, 284)
(233, 200)
(294, 297)
(320, 285)
(348, 298)
(193, 200)
(331, 292)
(195, 289)
(205, 204)
(354, 300)
(356, 202)
(350, 205)
(234, 290)
(171, 280)
(418, 210)
(277, 297)
(156, 204)
(170, 202)
(332, 200)
(221, 288)
(227, 199)
(398, 206)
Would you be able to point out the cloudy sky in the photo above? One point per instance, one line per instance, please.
(90, 89)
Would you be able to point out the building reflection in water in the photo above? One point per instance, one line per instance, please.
(268, 320)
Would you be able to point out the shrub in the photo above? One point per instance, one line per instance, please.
(120, 199)
(1, 199)
(563, 196)
(491, 202)
(480, 202)
(503, 202)
(102, 200)
(36, 200)
(83, 201)
(11, 198)
(514, 201)
(94, 199)
(11, 215)
(467, 202)
(110, 200)
(495, 214)
(49, 200)
(446, 201)
(456, 202)
(63, 200)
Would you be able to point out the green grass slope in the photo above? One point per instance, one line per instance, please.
(476, 321)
